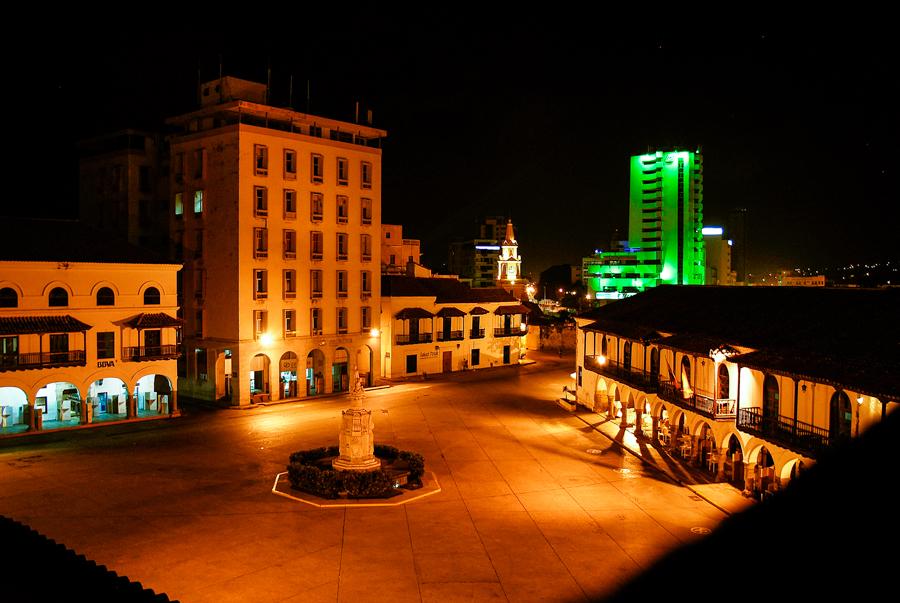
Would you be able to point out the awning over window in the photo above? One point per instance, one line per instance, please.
(450, 311)
(30, 325)
(410, 313)
(477, 311)
(518, 309)
(153, 321)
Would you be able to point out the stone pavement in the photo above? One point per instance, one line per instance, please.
(534, 504)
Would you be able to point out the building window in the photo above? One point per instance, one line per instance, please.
(365, 320)
(290, 204)
(260, 322)
(151, 296)
(59, 297)
(290, 164)
(198, 244)
(106, 297)
(179, 205)
(261, 201)
(365, 247)
(198, 202)
(9, 351)
(199, 164)
(178, 167)
(366, 205)
(343, 209)
(343, 171)
(260, 284)
(315, 283)
(9, 298)
(261, 159)
(366, 174)
(342, 283)
(342, 245)
(315, 245)
(290, 244)
(106, 344)
(198, 323)
(411, 360)
(317, 170)
(393, 260)
(290, 284)
(290, 323)
(315, 321)
(260, 242)
(476, 357)
(365, 279)
(342, 320)
(316, 207)
(200, 364)
(198, 284)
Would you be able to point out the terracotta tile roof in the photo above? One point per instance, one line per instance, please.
(153, 321)
(450, 311)
(29, 325)
(408, 313)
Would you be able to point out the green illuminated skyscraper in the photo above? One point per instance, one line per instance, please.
(665, 240)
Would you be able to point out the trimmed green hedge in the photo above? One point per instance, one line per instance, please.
(307, 472)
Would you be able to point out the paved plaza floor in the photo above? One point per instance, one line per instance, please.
(535, 504)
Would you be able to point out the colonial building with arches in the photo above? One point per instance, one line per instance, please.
(88, 330)
(751, 384)
(441, 325)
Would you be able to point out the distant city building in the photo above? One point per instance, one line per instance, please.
(89, 329)
(123, 187)
(556, 281)
(476, 260)
(277, 215)
(440, 325)
(737, 230)
(718, 257)
(665, 242)
(397, 252)
(749, 384)
(789, 279)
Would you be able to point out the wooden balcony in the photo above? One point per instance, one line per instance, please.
(718, 409)
(787, 432)
(628, 375)
(450, 335)
(407, 339)
(41, 360)
(156, 352)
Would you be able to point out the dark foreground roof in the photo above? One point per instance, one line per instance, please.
(850, 337)
(36, 240)
(446, 290)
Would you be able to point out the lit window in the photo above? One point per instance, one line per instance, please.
(290, 323)
(260, 322)
(179, 204)
(198, 202)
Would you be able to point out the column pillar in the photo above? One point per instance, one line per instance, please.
(638, 421)
(130, 411)
(655, 436)
(173, 402)
(599, 401)
(611, 411)
(624, 422)
(720, 468)
(695, 449)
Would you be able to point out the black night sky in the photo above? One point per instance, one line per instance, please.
(532, 117)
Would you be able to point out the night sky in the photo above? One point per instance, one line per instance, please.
(534, 118)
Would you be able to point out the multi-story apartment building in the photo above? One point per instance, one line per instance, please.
(476, 260)
(718, 256)
(750, 383)
(123, 187)
(88, 329)
(665, 240)
(397, 252)
(277, 215)
(439, 325)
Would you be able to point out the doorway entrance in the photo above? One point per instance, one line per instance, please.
(448, 361)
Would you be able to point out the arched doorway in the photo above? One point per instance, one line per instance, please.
(724, 383)
(364, 365)
(734, 462)
(315, 373)
(59, 405)
(287, 375)
(108, 399)
(771, 402)
(340, 377)
(223, 375)
(259, 375)
(841, 424)
(654, 366)
(707, 455)
(153, 395)
(764, 472)
(13, 410)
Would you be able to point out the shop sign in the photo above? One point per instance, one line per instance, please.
(433, 354)
(289, 365)
(106, 363)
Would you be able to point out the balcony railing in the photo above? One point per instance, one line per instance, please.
(38, 360)
(510, 332)
(476, 334)
(643, 380)
(153, 352)
(449, 335)
(407, 339)
(788, 432)
(720, 409)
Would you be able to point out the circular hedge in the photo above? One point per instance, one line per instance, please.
(311, 471)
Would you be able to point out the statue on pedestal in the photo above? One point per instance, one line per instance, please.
(357, 438)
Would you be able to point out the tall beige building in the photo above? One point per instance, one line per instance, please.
(277, 215)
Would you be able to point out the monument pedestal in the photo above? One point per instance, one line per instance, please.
(356, 439)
